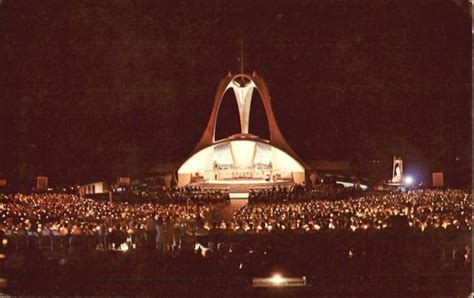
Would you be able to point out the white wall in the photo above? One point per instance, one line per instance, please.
(93, 188)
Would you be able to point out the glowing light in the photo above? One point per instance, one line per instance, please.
(235, 195)
(243, 153)
(277, 279)
(408, 180)
(422, 227)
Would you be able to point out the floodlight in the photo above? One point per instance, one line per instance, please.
(408, 180)
(277, 279)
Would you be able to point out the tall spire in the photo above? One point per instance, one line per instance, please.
(241, 55)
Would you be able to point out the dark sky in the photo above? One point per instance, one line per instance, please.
(95, 89)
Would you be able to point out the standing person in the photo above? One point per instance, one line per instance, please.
(159, 235)
(151, 232)
(177, 235)
(169, 235)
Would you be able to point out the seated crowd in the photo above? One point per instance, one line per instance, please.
(178, 195)
(301, 192)
(422, 208)
(165, 225)
(71, 215)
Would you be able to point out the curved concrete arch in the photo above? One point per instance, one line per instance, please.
(279, 156)
(276, 137)
(229, 140)
(258, 156)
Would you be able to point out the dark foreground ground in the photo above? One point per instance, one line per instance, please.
(387, 263)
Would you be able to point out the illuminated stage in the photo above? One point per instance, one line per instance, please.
(238, 186)
(243, 160)
(239, 181)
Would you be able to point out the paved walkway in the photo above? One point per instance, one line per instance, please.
(226, 212)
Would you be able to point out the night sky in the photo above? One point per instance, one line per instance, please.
(94, 89)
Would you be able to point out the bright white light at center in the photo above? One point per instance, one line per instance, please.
(277, 279)
(408, 180)
(243, 153)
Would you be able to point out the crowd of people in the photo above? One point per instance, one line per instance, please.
(194, 194)
(112, 223)
(301, 192)
(165, 225)
(172, 195)
(422, 209)
(358, 234)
